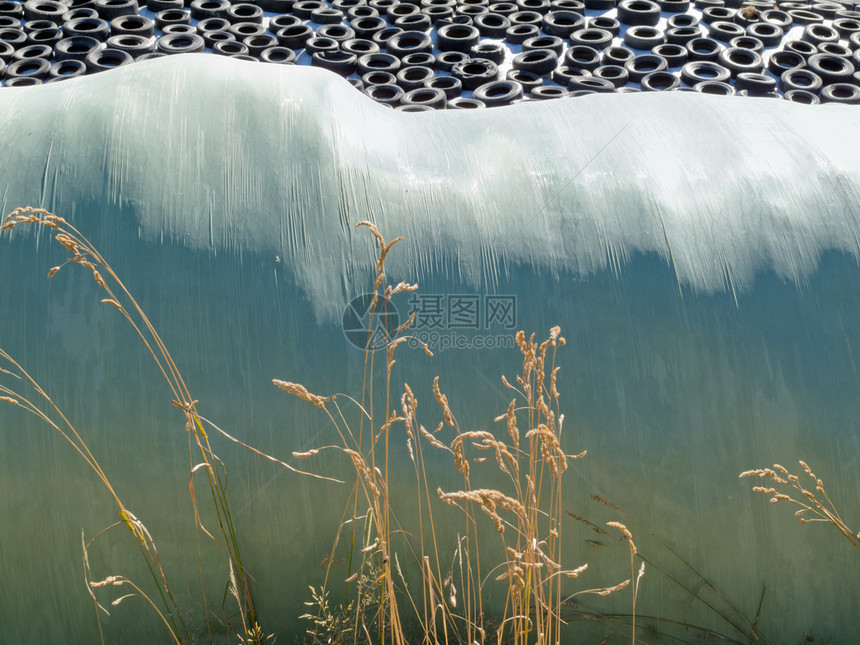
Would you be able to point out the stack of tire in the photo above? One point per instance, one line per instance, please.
(418, 55)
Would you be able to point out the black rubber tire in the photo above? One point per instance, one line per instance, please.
(599, 39)
(172, 17)
(318, 44)
(74, 48)
(279, 22)
(260, 42)
(36, 25)
(638, 12)
(491, 25)
(12, 8)
(804, 17)
(379, 62)
(616, 56)
(381, 78)
(553, 43)
(738, 59)
(136, 25)
(831, 69)
(45, 10)
(418, 59)
(755, 84)
(23, 81)
(748, 42)
(675, 55)
(415, 22)
(819, 33)
(600, 5)
(49, 37)
(835, 49)
(276, 6)
(412, 78)
(615, 74)
(150, 56)
(230, 48)
(490, 50)
(714, 87)
(724, 31)
(339, 33)
(548, 92)
(696, 72)
(409, 42)
(704, 49)
(660, 82)
(528, 80)
(202, 9)
(518, 34)
(67, 69)
(446, 60)
(643, 38)
(800, 79)
(562, 23)
(682, 35)
(465, 103)
(640, 66)
(826, 10)
(460, 38)
(802, 96)
(682, 20)
(162, 5)
(582, 56)
(769, 34)
(338, 62)
(110, 9)
(133, 44)
(606, 23)
(388, 94)
(101, 60)
(437, 14)
(294, 37)
(92, 27)
(367, 27)
(593, 83)
(180, 44)
(779, 18)
(536, 61)
(400, 9)
(496, 93)
(526, 18)
(563, 74)
(432, 98)
(33, 51)
(305, 8)
(452, 87)
(244, 12)
(674, 6)
(780, 62)
(475, 72)
(539, 6)
(714, 14)
(846, 26)
(213, 24)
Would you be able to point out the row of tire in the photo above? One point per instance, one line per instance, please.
(385, 49)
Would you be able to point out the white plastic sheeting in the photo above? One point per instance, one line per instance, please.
(699, 252)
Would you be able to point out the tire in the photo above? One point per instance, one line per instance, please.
(67, 69)
(388, 94)
(136, 25)
(518, 34)
(92, 27)
(582, 56)
(643, 38)
(172, 17)
(133, 44)
(48, 37)
(497, 93)
(418, 59)
(45, 10)
(413, 78)
(562, 23)
(279, 55)
(381, 78)
(748, 42)
(701, 71)
(801, 47)
(674, 6)
(553, 43)
(804, 17)
(256, 44)
(846, 26)
(682, 35)
(536, 61)
(526, 18)
(783, 61)
(244, 12)
(437, 14)
(491, 25)
(452, 87)
(366, 27)
(459, 38)
(23, 81)
(640, 66)
(779, 18)
(202, 9)
(180, 44)
(212, 24)
(755, 84)
(476, 72)
(598, 39)
(724, 31)
(660, 82)
(446, 60)
(616, 56)
(319, 44)
(409, 42)
(465, 103)
(335, 61)
(593, 83)
(305, 8)
(682, 20)
(432, 98)
(548, 92)
(703, 49)
(800, 79)
(563, 74)
(110, 9)
(101, 60)
(377, 63)
(818, 33)
(638, 12)
(802, 96)
(339, 33)
(713, 14)
(769, 34)
(75, 48)
(607, 24)
(675, 55)
(615, 74)
(738, 59)
(163, 5)
(714, 87)
(831, 69)
(528, 80)
(28, 52)
(278, 22)
(230, 48)
(489, 50)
